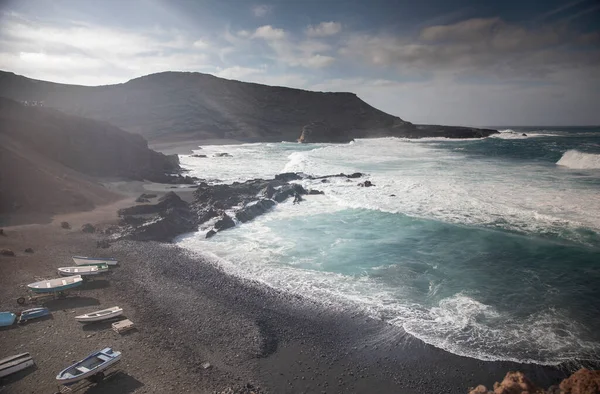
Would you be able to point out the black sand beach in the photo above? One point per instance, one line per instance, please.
(189, 312)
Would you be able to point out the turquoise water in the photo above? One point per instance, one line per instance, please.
(485, 248)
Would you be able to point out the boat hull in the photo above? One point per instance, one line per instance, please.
(83, 270)
(94, 317)
(15, 363)
(34, 313)
(82, 260)
(7, 319)
(55, 285)
(65, 378)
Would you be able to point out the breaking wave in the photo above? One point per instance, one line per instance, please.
(579, 160)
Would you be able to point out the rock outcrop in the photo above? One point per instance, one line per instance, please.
(212, 207)
(170, 217)
(583, 381)
(188, 105)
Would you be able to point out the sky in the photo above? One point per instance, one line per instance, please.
(476, 63)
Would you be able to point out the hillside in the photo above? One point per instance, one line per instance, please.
(49, 161)
(181, 105)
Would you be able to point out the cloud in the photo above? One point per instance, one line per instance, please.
(201, 44)
(238, 72)
(488, 47)
(324, 29)
(317, 61)
(306, 53)
(76, 52)
(268, 32)
(261, 10)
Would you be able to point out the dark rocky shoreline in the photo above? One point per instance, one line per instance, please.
(171, 216)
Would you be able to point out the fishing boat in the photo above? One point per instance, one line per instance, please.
(83, 270)
(56, 285)
(82, 260)
(14, 364)
(33, 313)
(104, 314)
(89, 366)
(7, 319)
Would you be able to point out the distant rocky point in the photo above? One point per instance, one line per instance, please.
(184, 106)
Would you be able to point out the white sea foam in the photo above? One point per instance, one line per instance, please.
(579, 160)
(416, 179)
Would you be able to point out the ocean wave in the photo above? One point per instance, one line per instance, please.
(467, 327)
(579, 160)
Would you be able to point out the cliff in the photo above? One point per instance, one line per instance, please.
(177, 105)
(50, 161)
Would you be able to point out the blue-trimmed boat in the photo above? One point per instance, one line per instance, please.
(82, 260)
(7, 319)
(33, 313)
(56, 285)
(89, 366)
(83, 270)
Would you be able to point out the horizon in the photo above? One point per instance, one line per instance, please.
(466, 63)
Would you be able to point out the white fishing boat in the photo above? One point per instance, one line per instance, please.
(92, 365)
(83, 270)
(104, 314)
(56, 285)
(14, 364)
(82, 260)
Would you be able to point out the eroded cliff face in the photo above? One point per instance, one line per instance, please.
(51, 161)
(179, 105)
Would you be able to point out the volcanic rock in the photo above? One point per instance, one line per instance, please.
(583, 381)
(88, 228)
(366, 184)
(224, 223)
(254, 209)
(7, 252)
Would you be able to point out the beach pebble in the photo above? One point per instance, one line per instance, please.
(7, 252)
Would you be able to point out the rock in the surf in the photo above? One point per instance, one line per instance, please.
(254, 209)
(224, 223)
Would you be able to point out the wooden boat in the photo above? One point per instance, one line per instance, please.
(14, 364)
(89, 366)
(104, 314)
(55, 285)
(82, 260)
(83, 270)
(33, 313)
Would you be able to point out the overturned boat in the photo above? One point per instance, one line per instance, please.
(82, 260)
(90, 366)
(56, 285)
(15, 363)
(83, 270)
(104, 314)
(33, 313)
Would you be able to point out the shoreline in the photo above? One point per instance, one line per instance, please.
(188, 309)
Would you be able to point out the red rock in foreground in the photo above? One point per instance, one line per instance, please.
(583, 381)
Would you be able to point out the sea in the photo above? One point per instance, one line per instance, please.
(486, 248)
